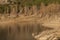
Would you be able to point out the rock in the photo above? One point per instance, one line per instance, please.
(48, 35)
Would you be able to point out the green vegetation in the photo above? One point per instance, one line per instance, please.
(23, 3)
(36, 2)
(33, 2)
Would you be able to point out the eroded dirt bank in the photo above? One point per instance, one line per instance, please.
(30, 28)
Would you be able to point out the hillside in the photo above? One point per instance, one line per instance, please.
(42, 24)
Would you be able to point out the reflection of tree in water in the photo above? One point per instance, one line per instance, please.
(21, 32)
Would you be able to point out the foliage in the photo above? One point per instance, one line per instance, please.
(32, 2)
(23, 3)
(2, 9)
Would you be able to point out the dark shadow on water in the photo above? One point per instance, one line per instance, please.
(21, 32)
